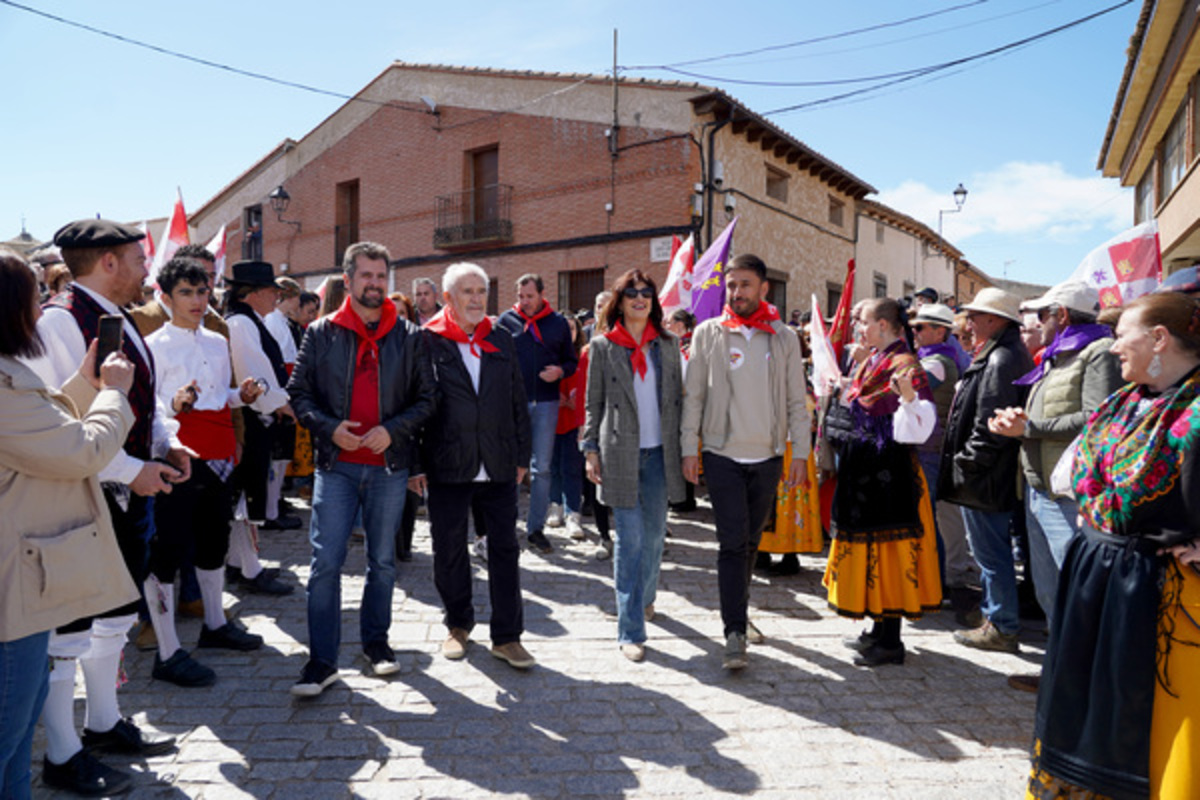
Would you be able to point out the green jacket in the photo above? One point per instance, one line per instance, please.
(1061, 402)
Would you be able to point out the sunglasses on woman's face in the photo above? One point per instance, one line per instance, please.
(632, 291)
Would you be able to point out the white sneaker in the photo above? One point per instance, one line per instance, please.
(575, 527)
(753, 634)
(554, 516)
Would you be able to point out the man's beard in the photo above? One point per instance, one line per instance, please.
(370, 299)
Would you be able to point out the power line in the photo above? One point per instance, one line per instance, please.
(814, 40)
(209, 63)
(898, 40)
(921, 72)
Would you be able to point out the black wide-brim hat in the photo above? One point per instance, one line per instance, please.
(252, 273)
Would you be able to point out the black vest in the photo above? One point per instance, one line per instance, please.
(87, 312)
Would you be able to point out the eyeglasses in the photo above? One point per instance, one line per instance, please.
(919, 328)
(632, 291)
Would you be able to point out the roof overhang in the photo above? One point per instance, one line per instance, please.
(758, 129)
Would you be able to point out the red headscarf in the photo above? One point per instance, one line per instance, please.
(618, 335)
(531, 322)
(444, 323)
(368, 340)
(761, 319)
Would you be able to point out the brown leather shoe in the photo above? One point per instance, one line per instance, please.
(1025, 683)
(515, 654)
(146, 639)
(455, 646)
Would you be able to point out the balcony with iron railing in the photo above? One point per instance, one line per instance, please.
(474, 216)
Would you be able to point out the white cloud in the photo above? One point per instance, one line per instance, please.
(1030, 201)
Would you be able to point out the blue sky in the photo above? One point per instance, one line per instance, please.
(97, 126)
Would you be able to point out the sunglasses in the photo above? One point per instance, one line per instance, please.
(919, 328)
(632, 291)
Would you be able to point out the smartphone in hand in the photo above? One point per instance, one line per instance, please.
(110, 339)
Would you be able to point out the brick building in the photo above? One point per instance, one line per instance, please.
(565, 175)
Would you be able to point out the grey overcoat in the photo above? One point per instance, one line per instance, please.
(611, 428)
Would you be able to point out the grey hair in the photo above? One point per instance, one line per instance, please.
(424, 282)
(372, 250)
(456, 272)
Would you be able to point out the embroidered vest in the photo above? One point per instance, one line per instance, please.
(87, 313)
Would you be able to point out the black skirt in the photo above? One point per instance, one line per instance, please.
(1097, 688)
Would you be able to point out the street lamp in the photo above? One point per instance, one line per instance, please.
(280, 199)
(960, 197)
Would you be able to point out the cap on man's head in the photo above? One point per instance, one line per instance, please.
(1073, 295)
(1185, 280)
(929, 293)
(96, 233)
(935, 314)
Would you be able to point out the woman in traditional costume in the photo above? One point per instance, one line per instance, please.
(883, 561)
(1119, 708)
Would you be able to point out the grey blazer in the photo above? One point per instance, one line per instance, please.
(611, 428)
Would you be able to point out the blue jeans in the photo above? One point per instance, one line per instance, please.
(638, 550)
(543, 419)
(1051, 523)
(338, 496)
(566, 473)
(24, 681)
(991, 542)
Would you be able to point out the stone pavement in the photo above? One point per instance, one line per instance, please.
(800, 722)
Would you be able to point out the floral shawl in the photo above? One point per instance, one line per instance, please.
(1130, 455)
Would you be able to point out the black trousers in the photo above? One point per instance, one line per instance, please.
(192, 520)
(254, 469)
(449, 504)
(134, 527)
(742, 496)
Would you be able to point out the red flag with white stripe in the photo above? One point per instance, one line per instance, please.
(175, 236)
(676, 292)
(216, 246)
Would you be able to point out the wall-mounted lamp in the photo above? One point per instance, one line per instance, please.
(960, 197)
(280, 200)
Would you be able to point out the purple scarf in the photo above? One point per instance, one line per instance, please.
(940, 349)
(1068, 340)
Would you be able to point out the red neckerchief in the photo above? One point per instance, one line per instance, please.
(531, 322)
(618, 335)
(444, 324)
(761, 319)
(368, 340)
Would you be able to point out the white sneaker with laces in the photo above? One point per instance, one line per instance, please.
(554, 516)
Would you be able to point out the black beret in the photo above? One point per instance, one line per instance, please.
(96, 233)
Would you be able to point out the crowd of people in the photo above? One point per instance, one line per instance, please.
(957, 451)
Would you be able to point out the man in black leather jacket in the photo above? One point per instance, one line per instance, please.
(363, 387)
(979, 468)
(474, 452)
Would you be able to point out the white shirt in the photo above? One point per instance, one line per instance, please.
(645, 392)
(277, 324)
(473, 363)
(913, 422)
(182, 356)
(249, 361)
(65, 349)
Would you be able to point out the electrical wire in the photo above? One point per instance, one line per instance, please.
(209, 63)
(922, 72)
(815, 39)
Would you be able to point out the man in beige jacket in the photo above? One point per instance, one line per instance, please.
(744, 400)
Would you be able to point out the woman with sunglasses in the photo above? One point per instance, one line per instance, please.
(631, 443)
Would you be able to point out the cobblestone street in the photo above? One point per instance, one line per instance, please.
(801, 721)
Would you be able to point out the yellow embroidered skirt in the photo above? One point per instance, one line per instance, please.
(797, 526)
(885, 573)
